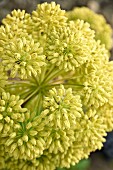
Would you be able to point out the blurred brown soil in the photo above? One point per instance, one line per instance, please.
(99, 162)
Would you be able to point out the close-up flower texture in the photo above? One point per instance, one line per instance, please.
(56, 89)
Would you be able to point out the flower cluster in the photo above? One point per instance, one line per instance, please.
(56, 90)
(24, 56)
(103, 31)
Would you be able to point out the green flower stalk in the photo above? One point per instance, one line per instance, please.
(103, 31)
(56, 90)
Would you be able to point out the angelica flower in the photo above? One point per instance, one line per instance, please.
(27, 141)
(48, 16)
(56, 90)
(97, 86)
(103, 31)
(10, 112)
(107, 115)
(65, 106)
(27, 57)
(19, 20)
(73, 51)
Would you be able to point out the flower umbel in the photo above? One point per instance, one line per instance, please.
(103, 31)
(24, 56)
(73, 51)
(56, 90)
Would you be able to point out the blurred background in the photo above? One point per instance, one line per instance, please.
(99, 160)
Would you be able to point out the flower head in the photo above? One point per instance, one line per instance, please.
(10, 112)
(70, 46)
(23, 57)
(48, 16)
(64, 107)
(19, 20)
(97, 22)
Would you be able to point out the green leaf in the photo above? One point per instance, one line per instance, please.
(82, 165)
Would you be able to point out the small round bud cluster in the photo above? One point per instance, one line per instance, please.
(97, 86)
(24, 56)
(64, 107)
(64, 110)
(11, 112)
(19, 20)
(73, 51)
(103, 31)
(47, 16)
(27, 140)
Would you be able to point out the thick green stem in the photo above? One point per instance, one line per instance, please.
(36, 79)
(25, 93)
(51, 69)
(9, 86)
(1, 89)
(31, 95)
(39, 104)
(53, 75)
(75, 86)
(12, 82)
(42, 76)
